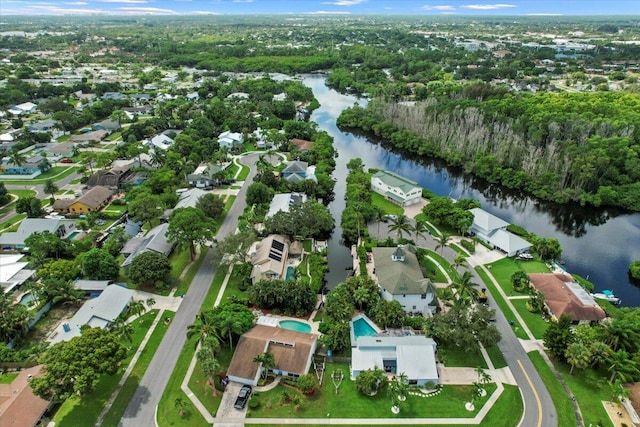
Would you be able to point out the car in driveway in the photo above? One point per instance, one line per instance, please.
(243, 397)
(65, 160)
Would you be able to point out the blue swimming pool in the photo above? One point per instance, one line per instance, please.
(27, 299)
(295, 325)
(290, 273)
(72, 235)
(362, 328)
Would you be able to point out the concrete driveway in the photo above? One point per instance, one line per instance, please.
(226, 409)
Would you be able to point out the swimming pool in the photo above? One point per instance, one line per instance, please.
(72, 235)
(362, 328)
(27, 299)
(295, 325)
(290, 273)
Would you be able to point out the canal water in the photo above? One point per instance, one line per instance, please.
(597, 244)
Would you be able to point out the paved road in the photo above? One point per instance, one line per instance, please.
(141, 409)
(539, 410)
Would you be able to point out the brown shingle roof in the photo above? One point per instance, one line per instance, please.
(562, 300)
(290, 358)
(95, 197)
(19, 407)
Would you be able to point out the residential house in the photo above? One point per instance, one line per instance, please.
(399, 277)
(114, 95)
(301, 144)
(297, 171)
(131, 112)
(93, 200)
(98, 312)
(192, 96)
(90, 137)
(284, 201)
(413, 355)
(33, 165)
(238, 96)
(395, 188)
(141, 98)
(57, 151)
(113, 178)
(293, 352)
(91, 288)
(189, 198)
(207, 175)
(108, 125)
(269, 258)
(61, 227)
(563, 295)
(155, 240)
(24, 108)
(43, 126)
(13, 272)
(262, 139)
(230, 139)
(493, 231)
(161, 141)
(280, 96)
(19, 407)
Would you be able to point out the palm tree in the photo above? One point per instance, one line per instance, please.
(118, 116)
(401, 224)
(150, 302)
(136, 308)
(460, 260)
(578, 355)
(622, 366)
(122, 329)
(204, 327)
(442, 241)
(50, 188)
(267, 360)
(181, 405)
(230, 325)
(379, 218)
(44, 165)
(464, 289)
(420, 229)
(17, 158)
(158, 157)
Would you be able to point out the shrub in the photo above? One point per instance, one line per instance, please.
(254, 403)
(468, 245)
(634, 269)
(307, 384)
(517, 230)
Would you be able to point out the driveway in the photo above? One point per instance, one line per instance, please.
(226, 409)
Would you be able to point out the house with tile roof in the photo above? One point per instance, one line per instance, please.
(395, 188)
(293, 352)
(98, 312)
(19, 407)
(93, 200)
(493, 231)
(399, 277)
(563, 295)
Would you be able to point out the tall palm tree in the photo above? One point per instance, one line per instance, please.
(464, 289)
(50, 188)
(420, 229)
(230, 325)
(158, 157)
(210, 367)
(122, 329)
(401, 224)
(460, 260)
(17, 158)
(267, 360)
(578, 356)
(204, 327)
(622, 366)
(136, 308)
(442, 241)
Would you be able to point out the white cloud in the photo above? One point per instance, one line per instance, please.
(76, 3)
(345, 2)
(487, 6)
(147, 11)
(203, 12)
(327, 12)
(45, 9)
(441, 8)
(243, 1)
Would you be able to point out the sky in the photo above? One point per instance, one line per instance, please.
(320, 7)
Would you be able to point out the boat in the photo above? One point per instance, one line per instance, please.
(607, 295)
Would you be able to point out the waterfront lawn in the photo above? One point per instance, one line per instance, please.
(131, 384)
(564, 407)
(349, 403)
(84, 411)
(590, 388)
(520, 333)
(534, 321)
(388, 207)
(503, 269)
(454, 357)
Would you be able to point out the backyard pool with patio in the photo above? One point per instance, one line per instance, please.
(362, 326)
(290, 272)
(295, 325)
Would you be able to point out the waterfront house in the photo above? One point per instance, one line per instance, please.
(297, 171)
(399, 277)
(284, 201)
(269, 258)
(493, 231)
(395, 188)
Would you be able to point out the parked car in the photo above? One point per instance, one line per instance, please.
(66, 161)
(243, 397)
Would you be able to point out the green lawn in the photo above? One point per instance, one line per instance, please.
(129, 388)
(564, 407)
(388, 207)
(453, 273)
(503, 269)
(116, 208)
(84, 411)
(12, 224)
(534, 321)
(349, 403)
(184, 284)
(198, 383)
(502, 304)
(496, 357)
(432, 229)
(507, 411)
(434, 273)
(23, 193)
(178, 259)
(244, 172)
(454, 357)
(8, 377)
(55, 173)
(233, 288)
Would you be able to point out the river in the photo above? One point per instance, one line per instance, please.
(597, 244)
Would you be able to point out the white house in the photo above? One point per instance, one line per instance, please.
(161, 141)
(61, 227)
(399, 277)
(395, 188)
(13, 272)
(24, 108)
(99, 312)
(284, 202)
(413, 355)
(230, 139)
(493, 231)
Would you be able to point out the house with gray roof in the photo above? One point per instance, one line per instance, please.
(43, 125)
(284, 201)
(493, 231)
(399, 277)
(297, 171)
(108, 125)
(92, 288)
(15, 240)
(230, 139)
(395, 188)
(32, 166)
(155, 240)
(207, 175)
(98, 312)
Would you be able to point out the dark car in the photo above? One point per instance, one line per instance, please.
(243, 397)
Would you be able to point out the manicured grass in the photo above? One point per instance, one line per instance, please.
(11, 225)
(178, 260)
(349, 403)
(455, 357)
(244, 172)
(306, 245)
(55, 173)
(432, 229)
(116, 208)
(453, 273)
(8, 377)
(198, 382)
(564, 407)
(496, 357)
(388, 207)
(507, 411)
(503, 269)
(184, 284)
(502, 304)
(233, 288)
(84, 411)
(435, 274)
(23, 193)
(534, 321)
(131, 384)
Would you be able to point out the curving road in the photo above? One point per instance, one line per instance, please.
(142, 407)
(539, 410)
